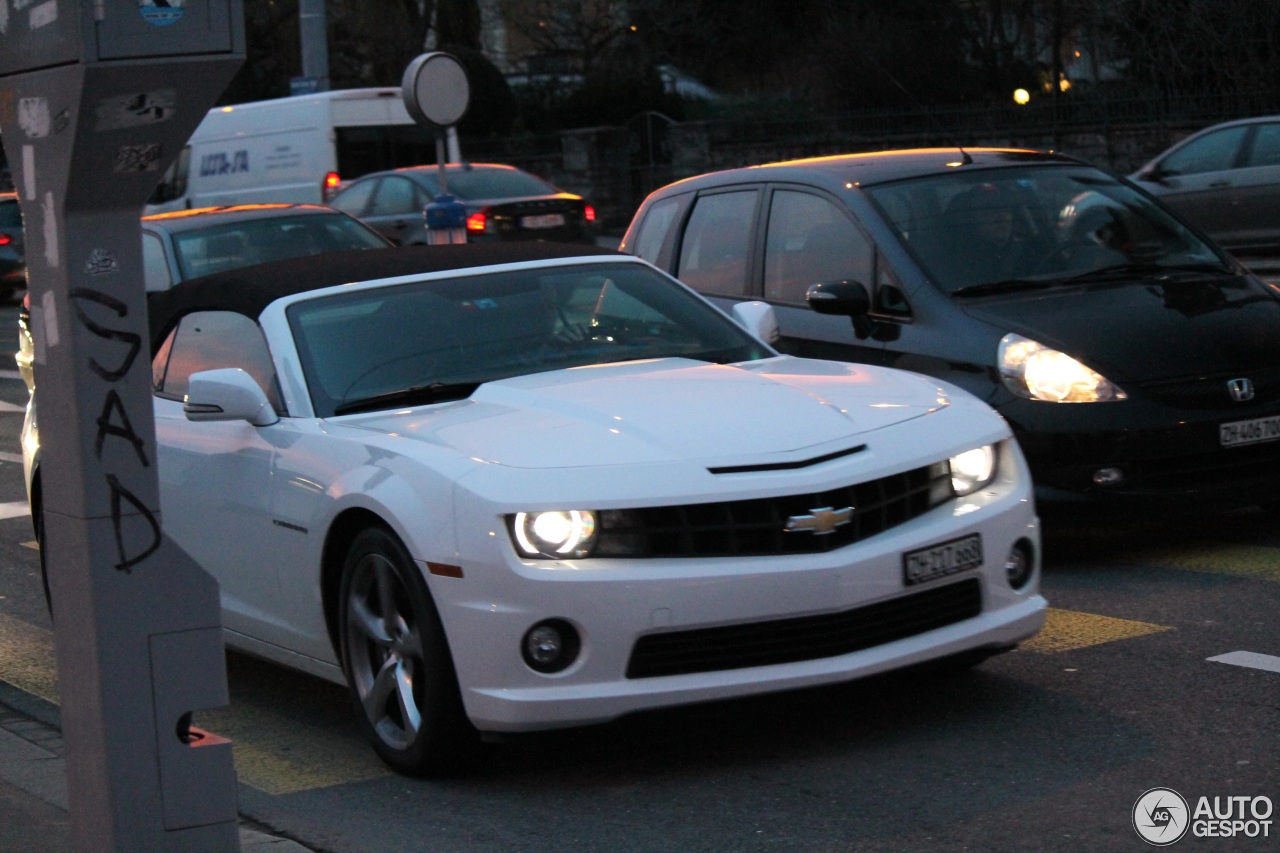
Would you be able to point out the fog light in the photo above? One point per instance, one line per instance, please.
(1020, 565)
(1108, 477)
(550, 646)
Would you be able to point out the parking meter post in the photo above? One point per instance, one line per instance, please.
(97, 98)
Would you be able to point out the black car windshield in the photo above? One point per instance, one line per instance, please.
(229, 245)
(481, 183)
(1034, 226)
(436, 340)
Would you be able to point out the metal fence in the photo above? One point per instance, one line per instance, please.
(616, 167)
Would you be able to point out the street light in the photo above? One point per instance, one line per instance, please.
(1021, 96)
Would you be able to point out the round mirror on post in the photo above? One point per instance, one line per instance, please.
(436, 93)
(436, 90)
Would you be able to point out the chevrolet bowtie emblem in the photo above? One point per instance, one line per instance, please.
(820, 521)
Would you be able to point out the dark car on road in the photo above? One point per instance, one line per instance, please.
(13, 266)
(188, 244)
(192, 243)
(502, 203)
(1226, 180)
(1137, 361)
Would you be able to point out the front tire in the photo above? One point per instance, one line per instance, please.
(397, 660)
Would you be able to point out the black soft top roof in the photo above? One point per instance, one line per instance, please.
(248, 290)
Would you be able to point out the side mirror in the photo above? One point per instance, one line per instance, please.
(844, 299)
(1157, 174)
(759, 319)
(227, 394)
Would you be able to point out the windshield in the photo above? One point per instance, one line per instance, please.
(231, 245)
(436, 340)
(1034, 224)
(482, 183)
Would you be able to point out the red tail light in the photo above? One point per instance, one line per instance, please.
(330, 185)
(589, 212)
(5, 239)
(477, 221)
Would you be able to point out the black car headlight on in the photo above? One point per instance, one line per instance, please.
(556, 534)
(1032, 370)
(973, 469)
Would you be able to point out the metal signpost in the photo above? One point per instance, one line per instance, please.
(436, 93)
(97, 97)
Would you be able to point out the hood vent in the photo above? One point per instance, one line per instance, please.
(787, 466)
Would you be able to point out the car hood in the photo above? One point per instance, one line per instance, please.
(665, 410)
(1139, 332)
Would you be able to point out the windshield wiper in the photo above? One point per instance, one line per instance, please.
(1145, 270)
(1008, 285)
(436, 392)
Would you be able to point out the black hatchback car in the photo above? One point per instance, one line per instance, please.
(1136, 361)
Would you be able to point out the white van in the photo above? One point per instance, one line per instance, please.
(296, 149)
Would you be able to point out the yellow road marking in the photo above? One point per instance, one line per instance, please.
(1251, 561)
(27, 659)
(273, 751)
(1065, 630)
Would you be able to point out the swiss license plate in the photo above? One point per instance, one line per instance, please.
(1237, 433)
(939, 561)
(543, 220)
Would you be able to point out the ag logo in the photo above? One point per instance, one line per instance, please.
(1161, 817)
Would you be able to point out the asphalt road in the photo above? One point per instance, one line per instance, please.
(1044, 749)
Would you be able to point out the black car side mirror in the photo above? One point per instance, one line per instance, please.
(843, 298)
(846, 298)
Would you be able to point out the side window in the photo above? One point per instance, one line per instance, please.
(713, 255)
(810, 239)
(395, 197)
(155, 269)
(208, 340)
(1211, 153)
(354, 198)
(655, 229)
(1266, 146)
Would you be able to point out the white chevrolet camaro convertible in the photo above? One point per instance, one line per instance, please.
(524, 486)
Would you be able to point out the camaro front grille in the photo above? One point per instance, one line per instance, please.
(804, 638)
(757, 527)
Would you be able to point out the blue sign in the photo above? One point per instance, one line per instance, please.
(162, 13)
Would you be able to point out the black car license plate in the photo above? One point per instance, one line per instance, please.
(938, 561)
(1239, 433)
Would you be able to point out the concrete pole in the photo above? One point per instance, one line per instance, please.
(315, 42)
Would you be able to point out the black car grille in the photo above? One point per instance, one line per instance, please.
(804, 638)
(1211, 392)
(1183, 460)
(749, 528)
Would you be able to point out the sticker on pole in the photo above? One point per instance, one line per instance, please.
(162, 13)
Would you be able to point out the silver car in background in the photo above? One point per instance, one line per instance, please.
(1224, 179)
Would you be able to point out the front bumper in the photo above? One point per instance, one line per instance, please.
(1166, 457)
(615, 603)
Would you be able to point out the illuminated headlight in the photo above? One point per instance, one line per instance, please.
(559, 534)
(973, 469)
(1032, 370)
